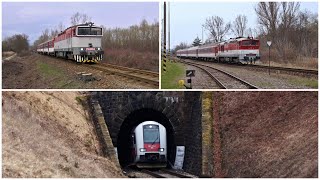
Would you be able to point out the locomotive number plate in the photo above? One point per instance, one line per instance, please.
(90, 49)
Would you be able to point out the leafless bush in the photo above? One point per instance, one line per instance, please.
(16, 43)
(294, 33)
(142, 38)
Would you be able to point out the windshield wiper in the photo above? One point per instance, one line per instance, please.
(155, 139)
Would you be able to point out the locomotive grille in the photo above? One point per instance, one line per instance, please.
(152, 156)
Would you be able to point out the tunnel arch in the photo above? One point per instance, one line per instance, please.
(134, 119)
(150, 103)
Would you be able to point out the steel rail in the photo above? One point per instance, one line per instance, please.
(230, 75)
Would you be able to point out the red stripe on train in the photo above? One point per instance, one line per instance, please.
(152, 147)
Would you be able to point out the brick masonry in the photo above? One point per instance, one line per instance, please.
(181, 109)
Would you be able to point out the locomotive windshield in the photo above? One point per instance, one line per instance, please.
(151, 133)
(250, 43)
(90, 31)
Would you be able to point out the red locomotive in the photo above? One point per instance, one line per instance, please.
(235, 50)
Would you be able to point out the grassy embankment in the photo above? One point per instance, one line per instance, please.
(56, 76)
(312, 83)
(175, 72)
(133, 59)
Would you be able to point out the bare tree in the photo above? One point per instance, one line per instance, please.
(17, 43)
(85, 18)
(268, 13)
(180, 46)
(289, 14)
(61, 27)
(288, 18)
(240, 25)
(78, 18)
(143, 37)
(75, 19)
(215, 25)
(252, 32)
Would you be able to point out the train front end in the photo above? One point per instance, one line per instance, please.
(86, 45)
(151, 145)
(249, 50)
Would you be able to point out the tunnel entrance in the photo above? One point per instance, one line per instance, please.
(134, 119)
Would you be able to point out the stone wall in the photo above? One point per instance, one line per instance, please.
(181, 109)
(193, 134)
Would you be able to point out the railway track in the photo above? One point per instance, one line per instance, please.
(165, 173)
(294, 71)
(148, 77)
(130, 73)
(277, 69)
(223, 79)
(138, 71)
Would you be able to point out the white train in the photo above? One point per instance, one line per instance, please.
(81, 43)
(149, 145)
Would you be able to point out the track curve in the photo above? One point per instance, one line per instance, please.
(224, 79)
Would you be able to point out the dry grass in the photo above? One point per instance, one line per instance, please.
(7, 54)
(46, 134)
(293, 62)
(270, 134)
(134, 59)
(24, 53)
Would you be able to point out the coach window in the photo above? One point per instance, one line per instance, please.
(245, 43)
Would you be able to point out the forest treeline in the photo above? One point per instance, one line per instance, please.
(17, 43)
(143, 37)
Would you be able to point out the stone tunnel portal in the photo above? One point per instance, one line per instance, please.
(131, 121)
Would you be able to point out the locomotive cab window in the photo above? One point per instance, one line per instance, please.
(250, 43)
(90, 31)
(151, 133)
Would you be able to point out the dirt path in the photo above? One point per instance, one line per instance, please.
(10, 57)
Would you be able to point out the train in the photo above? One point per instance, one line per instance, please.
(149, 145)
(242, 50)
(81, 43)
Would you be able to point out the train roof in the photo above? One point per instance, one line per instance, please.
(241, 39)
(189, 48)
(149, 122)
(85, 24)
(216, 43)
(45, 42)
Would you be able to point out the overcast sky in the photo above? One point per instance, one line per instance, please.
(188, 17)
(32, 18)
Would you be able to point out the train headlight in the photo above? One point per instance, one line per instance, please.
(142, 150)
(81, 49)
(161, 149)
(98, 49)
